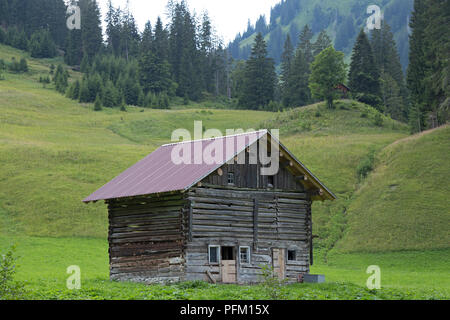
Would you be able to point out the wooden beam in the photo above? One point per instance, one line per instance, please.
(255, 222)
(210, 276)
(190, 219)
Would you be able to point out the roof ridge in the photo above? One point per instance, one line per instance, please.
(208, 139)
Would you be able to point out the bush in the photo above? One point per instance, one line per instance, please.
(10, 289)
(18, 67)
(365, 166)
(378, 120)
(271, 284)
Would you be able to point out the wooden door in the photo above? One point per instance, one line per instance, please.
(279, 262)
(229, 271)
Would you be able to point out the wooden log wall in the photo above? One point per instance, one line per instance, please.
(228, 217)
(146, 238)
(249, 176)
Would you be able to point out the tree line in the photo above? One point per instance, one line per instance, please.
(186, 59)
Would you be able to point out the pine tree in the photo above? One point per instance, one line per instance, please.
(91, 30)
(259, 77)
(305, 44)
(111, 95)
(97, 103)
(323, 41)
(298, 92)
(286, 64)
(74, 90)
(364, 78)
(388, 63)
(417, 68)
(113, 29)
(61, 79)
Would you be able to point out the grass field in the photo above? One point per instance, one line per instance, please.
(54, 152)
(404, 275)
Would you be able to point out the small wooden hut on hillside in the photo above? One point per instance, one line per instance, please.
(215, 222)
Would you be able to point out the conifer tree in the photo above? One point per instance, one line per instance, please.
(286, 64)
(298, 92)
(323, 41)
(388, 63)
(364, 78)
(305, 44)
(259, 77)
(97, 103)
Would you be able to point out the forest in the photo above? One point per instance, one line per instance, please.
(184, 59)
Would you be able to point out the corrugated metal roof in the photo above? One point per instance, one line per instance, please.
(157, 173)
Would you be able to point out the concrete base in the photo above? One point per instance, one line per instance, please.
(313, 278)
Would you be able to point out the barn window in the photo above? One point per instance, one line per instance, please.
(292, 255)
(244, 254)
(214, 254)
(270, 180)
(230, 177)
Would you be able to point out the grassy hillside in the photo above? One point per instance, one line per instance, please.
(333, 143)
(404, 203)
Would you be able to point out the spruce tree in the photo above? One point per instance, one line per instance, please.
(364, 78)
(298, 92)
(323, 41)
(259, 77)
(305, 44)
(97, 103)
(388, 63)
(286, 64)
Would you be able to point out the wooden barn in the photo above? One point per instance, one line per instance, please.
(218, 222)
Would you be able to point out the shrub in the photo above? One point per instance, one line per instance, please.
(10, 289)
(365, 166)
(378, 120)
(18, 67)
(271, 284)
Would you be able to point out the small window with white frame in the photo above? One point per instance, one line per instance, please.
(244, 254)
(214, 254)
(231, 178)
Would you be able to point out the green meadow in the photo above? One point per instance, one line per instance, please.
(54, 152)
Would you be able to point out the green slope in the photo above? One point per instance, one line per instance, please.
(404, 203)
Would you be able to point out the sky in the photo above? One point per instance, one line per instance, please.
(229, 17)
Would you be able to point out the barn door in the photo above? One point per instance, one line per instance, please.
(279, 262)
(228, 265)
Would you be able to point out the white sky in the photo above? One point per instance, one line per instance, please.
(229, 17)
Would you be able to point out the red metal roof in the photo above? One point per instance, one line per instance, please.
(157, 173)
